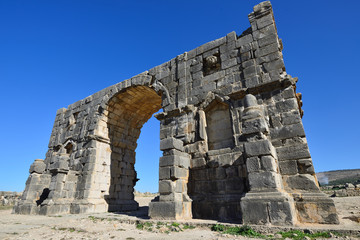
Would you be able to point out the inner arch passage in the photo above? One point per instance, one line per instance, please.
(127, 113)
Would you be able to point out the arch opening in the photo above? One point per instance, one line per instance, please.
(128, 111)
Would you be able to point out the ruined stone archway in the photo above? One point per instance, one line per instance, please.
(231, 133)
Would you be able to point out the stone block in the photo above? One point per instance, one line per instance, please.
(246, 39)
(316, 208)
(210, 45)
(266, 31)
(288, 167)
(228, 63)
(271, 208)
(272, 38)
(38, 166)
(253, 81)
(275, 121)
(248, 63)
(282, 212)
(259, 148)
(171, 143)
(265, 21)
(231, 37)
(304, 182)
(268, 163)
(218, 173)
(264, 180)
(174, 160)
(166, 186)
(250, 71)
(289, 118)
(199, 174)
(274, 65)
(272, 48)
(231, 172)
(164, 173)
(306, 166)
(292, 152)
(198, 163)
(177, 172)
(269, 58)
(252, 164)
(246, 56)
(287, 105)
(254, 212)
(255, 126)
(225, 160)
(170, 210)
(180, 186)
(288, 93)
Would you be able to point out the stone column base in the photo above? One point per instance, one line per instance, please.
(170, 210)
(26, 208)
(274, 208)
(123, 206)
(315, 208)
(88, 206)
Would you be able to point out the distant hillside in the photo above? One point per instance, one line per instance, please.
(338, 177)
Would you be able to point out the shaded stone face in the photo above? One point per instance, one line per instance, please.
(233, 143)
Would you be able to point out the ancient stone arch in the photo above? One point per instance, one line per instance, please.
(233, 143)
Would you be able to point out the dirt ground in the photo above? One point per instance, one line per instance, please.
(124, 226)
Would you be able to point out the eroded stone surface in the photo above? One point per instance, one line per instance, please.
(233, 143)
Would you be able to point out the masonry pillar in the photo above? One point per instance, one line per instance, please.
(266, 202)
(174, 202)
(36, 188)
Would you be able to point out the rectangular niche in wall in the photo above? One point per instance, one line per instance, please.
(219, 127)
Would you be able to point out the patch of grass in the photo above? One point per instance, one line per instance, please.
(145, 226)
(175, 224)
(140, 226)
(7, 207)
(148, 224)
(218, 228)
(298, 235)
(68, 229)
(243, 231)
(187, 226)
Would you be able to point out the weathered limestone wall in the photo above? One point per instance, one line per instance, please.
(233, 142)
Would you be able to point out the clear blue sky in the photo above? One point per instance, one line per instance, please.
(54, 53)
